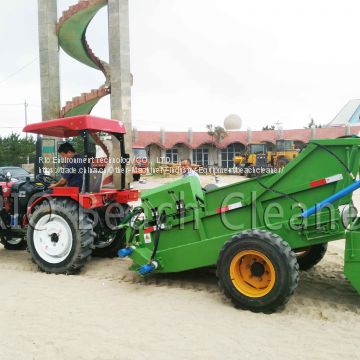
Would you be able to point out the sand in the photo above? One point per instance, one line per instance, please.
(108, 312)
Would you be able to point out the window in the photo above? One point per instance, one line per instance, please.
(257, 149)
(201, 156)
(228, 154)
(139, 153)
(172, 155)
(283, 145)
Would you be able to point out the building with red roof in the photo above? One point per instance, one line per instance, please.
(198, 146)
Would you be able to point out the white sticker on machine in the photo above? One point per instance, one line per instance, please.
(147, 238)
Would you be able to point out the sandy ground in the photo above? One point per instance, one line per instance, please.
(108, 312)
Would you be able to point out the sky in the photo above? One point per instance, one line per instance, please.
(195, 62)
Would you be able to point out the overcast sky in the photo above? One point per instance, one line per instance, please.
(196, 61)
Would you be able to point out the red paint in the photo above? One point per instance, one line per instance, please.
(149, 230)
(317, 183)
(73, 126)
(222, 209)
(6, 188)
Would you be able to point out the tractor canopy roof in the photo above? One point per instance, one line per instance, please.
(73, 126)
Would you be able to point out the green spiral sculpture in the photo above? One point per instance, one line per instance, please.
(71, 30)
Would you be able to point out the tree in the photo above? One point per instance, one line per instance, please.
(267, 127)
(312, 124)
(16, 150)
(217, 133)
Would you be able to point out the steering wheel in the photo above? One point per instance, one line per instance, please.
(45, 179)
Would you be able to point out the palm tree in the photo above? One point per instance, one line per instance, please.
(217, 133)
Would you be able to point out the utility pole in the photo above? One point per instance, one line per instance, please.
(26, 113)
(26, 122)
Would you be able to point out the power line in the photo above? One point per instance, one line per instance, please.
(19, 70)
(19, 104)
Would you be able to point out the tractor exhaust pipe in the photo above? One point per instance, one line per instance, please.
(37, 165)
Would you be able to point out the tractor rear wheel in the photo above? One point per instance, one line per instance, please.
(309, 257)
(13, 243)
(108, 242)
(257, 271)
(60, 236)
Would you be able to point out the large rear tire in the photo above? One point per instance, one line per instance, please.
(257, 271)
(309, 257)
(60, 237)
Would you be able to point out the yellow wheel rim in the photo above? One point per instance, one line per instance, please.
(252, 273)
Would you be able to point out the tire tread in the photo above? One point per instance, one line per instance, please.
(85, 236)
(282, 247)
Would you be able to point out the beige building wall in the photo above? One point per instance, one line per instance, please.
(183, 151)
(213, 155)
(155, 153)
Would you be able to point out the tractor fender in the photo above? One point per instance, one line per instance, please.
(40, 198)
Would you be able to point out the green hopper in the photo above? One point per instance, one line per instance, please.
(258, 233)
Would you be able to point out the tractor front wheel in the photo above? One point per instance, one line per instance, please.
(108, 242)
(60, 236)
(309, 257)
(257, 271)
(13, 243)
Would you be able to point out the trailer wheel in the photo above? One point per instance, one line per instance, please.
(60, 237)
(13, 243)
(309, 257)
(257, 271)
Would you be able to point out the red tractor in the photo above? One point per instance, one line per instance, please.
(64, 226)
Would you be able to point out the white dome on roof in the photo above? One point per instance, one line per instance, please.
(232, 122)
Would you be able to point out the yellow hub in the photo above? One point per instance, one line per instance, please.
(252, 273)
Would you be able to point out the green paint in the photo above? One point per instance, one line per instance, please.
(48, 146)
(83, 108)
(73, 31)
(352, 255)
(196, 239)
(48, 149)
(71, 36)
